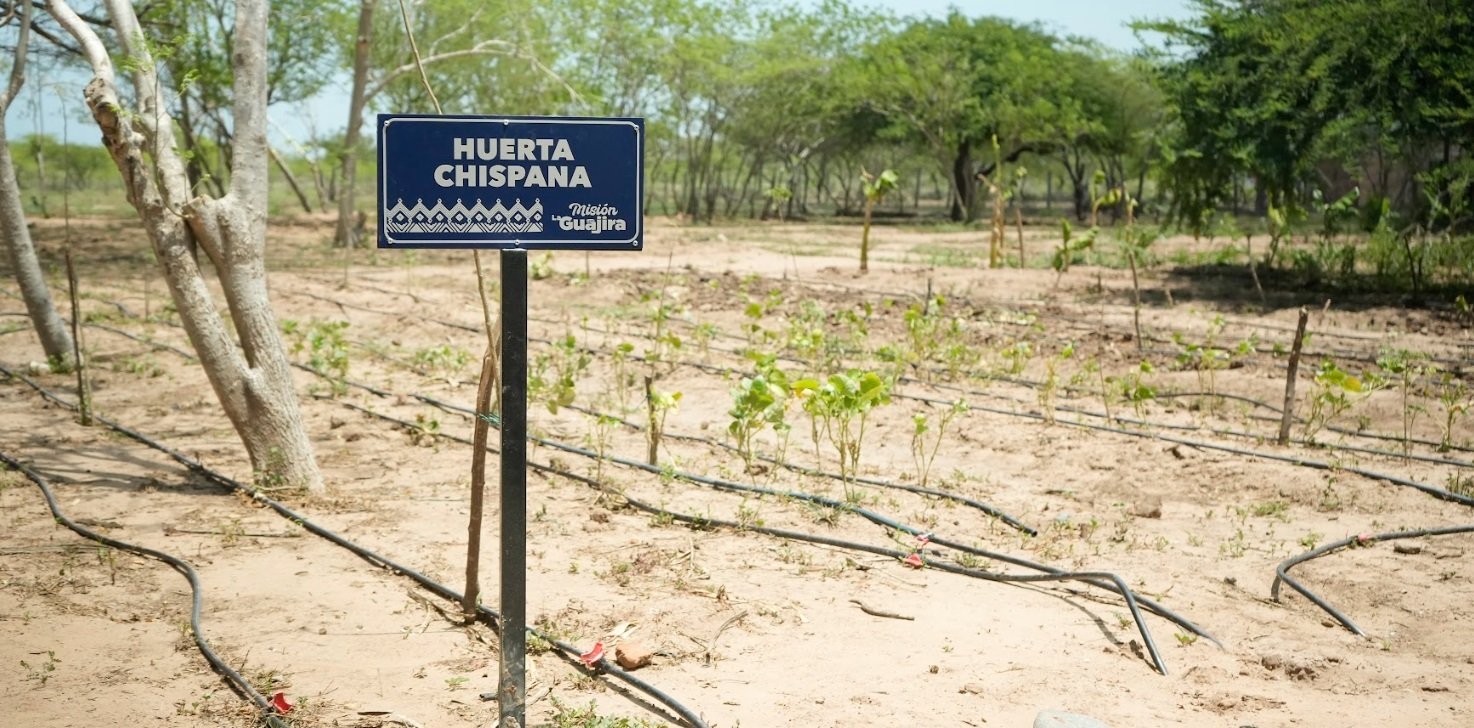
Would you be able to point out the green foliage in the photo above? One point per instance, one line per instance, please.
(1335, 391)
(566, 716)
(842, 403)
(443, 359)
(921, 427)
(876, 187)
(554, 375)
(1272, 90)
(758, 402)
(326, 347)
(1071, 247)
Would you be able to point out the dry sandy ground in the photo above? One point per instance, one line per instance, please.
(90, 637)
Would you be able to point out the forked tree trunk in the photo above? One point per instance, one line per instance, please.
(252, 378)
(55, 340)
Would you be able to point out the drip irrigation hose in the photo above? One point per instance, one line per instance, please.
(1213, 430)
(1301, 462)
(237, 683)
(948, 566)
(1014, 380)
(985, 375)
(1397, 480)
(1431, 490)
(570, 653)
(1281, 572)
(1103, 580)
(1434, 491)
(718, 484)
(984, 507)
(877, 482)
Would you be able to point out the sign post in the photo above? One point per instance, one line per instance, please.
(513, 184)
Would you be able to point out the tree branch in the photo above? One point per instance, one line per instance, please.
(18, 69)
(90, 45)
(54, 39)
(484, 48)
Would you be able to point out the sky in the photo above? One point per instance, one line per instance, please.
(1102, 20)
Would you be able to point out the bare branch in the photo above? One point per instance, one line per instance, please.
(18, 69)
(54, 39)
(484, 48)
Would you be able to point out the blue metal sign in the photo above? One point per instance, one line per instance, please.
(531, 182)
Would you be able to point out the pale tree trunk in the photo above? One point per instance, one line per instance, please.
(286, 173)
(252, 378)
(55, 340)
(347, 230)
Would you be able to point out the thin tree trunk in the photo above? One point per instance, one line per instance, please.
(286, 172)
(346, 232)
(50, 329)
(963, 184)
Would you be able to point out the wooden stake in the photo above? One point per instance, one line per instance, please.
(654, 427)
(84, 388)
(1289, 413)
(1018, 216)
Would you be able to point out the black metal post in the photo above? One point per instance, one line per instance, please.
(512, 685)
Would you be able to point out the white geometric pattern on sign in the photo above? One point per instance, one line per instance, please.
(461, 219)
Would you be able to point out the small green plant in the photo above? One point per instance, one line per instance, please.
(875, 187)
(443, 360)
(921, 427)
(1271, 509)
(1070, 248)
(1309, 540)
(1206, 358)
(1134, 388)
(426, 430)
(326, 347)
(747, 515)
(659, 406)
(1050, 386)
(1405, 367)
(843, 402)
(1016, 356)
(42, 672)
(142, 364)
(703, 335)
(1460, 484)
(623, 379)
(1456, 400)
(566, 716)
(457, 682)
(1186, 639)
(757, 403)
(1331, 396)
(601, 432)
(542, 268)
(230, 532)
(554, 376)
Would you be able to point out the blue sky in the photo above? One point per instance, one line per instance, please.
(1102, 20)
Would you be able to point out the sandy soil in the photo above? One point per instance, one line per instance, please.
(747, 629)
